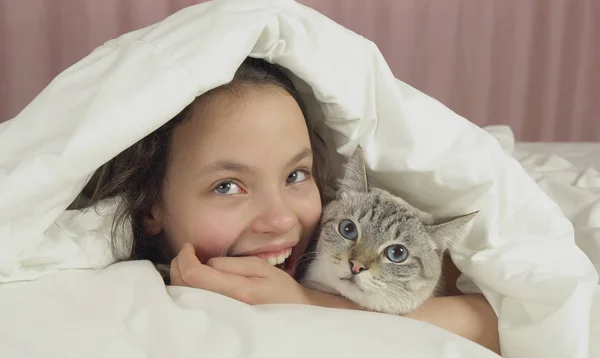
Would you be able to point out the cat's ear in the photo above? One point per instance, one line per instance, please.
(354, 174)
(447, 230)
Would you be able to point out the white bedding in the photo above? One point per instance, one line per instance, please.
(582, 155)
(521, 252)
(569, 173)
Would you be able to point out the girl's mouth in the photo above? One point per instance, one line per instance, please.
(277, 258)
(283, 259)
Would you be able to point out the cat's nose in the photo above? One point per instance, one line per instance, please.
(357, 266)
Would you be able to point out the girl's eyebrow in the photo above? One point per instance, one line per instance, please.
(304, 153)
(232, 166)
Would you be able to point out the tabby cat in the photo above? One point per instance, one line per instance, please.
(377, 250)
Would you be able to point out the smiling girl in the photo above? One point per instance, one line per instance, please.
(228, 195)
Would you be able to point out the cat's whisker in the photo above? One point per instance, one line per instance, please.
(378, 282)
(318, 286)
(399, 296)
(420, 310)
(314, 255)
(405, 292)
(396, 294)
(308, 255)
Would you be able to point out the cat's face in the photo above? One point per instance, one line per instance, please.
(377, 250)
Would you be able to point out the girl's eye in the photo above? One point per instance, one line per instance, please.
(297, 176)
(227, 188)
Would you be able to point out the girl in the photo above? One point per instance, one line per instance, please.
(227, 195)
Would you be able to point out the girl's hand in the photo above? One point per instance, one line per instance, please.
(469, 316)
(248, 279)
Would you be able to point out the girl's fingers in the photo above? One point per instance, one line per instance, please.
(251, 266)
(185, 260)
(188, 254)
(175, 274)
(187, 270)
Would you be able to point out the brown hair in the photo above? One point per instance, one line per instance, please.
(137, 174)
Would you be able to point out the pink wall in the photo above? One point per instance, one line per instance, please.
(531, 64)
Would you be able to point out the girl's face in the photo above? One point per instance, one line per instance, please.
(238, 179)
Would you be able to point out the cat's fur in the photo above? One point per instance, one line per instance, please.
(381, 219)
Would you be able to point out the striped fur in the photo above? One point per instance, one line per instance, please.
(382, 219)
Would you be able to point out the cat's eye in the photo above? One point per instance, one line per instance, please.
(348, 229)
(396, 253)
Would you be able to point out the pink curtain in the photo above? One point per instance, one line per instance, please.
(531, 64)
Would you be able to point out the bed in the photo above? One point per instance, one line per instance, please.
(85, 313)
(570, 174)
(59, 297)
(582, 155)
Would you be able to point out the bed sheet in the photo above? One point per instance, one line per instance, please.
(569, 173)
(126, 311)
(581, 154)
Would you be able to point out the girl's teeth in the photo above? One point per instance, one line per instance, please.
(278, 259)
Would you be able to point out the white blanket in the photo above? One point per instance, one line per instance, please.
(521, 253)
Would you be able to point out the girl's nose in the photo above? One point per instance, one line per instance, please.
(273, 217)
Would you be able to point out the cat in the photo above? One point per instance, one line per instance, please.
(377, 250)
